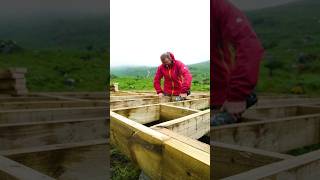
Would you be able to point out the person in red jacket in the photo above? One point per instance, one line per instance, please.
(235, 54)
(177, 77)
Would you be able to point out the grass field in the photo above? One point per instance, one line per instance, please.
(137, 78)
(50, 70)
(58, 50)
(121, 166)
(288, 31)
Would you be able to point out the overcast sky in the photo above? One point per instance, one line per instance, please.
(142, 29)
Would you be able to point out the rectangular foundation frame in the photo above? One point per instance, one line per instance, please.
(256, 148)
(54, 136)
(161, 137)
(42, 134)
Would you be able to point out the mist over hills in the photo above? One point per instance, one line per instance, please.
(72, 24)
(258, 4)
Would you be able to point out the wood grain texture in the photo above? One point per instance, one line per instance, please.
(159, 155)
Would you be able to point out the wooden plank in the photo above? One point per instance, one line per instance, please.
(63, 97)
(264, 113)
(85, 160)
(23, 135)
(133, 102)
(197, 104)
(52, 114)
(42, 97)
(308, 109)
(184, 161)
(75, 95)
(117, 98)
(7, 99)
(278, 135)
(199, 96)
(192, 142)
(158, 155)
(126, 93)
(10, 170)
(228, 160)
(53, 147)
(169, 112)
(50, 104)
(306, 166)
(268, 102)
(141, 114)
(280, 111)
(193, 126)
(150, 113)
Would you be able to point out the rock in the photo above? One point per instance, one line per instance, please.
(70, 82)
(8, 47)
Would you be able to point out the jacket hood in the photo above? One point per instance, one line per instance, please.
(172, 56)
(173, 60)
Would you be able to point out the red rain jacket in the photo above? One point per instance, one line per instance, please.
(177, 78)
(235, 54)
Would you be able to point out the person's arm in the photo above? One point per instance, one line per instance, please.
(157, 81)
(187, 78)
(249, 52)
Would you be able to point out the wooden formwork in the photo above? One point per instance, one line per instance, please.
(161, 137)
(54, 136)
(257, 148)
(60, 136)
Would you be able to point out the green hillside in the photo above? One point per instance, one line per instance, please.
(141, 78)
(132, 71)
(288, 32)
(143, 70)
(62, 53)
(54, 70)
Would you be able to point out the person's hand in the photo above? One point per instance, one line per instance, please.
(184, 95)
(235, 108)
(160, 95)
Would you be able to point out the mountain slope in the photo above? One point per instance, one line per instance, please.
(289, 32)
(57, 32)
(199, 68)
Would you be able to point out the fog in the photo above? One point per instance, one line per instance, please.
(258, 4)
(18, 8)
